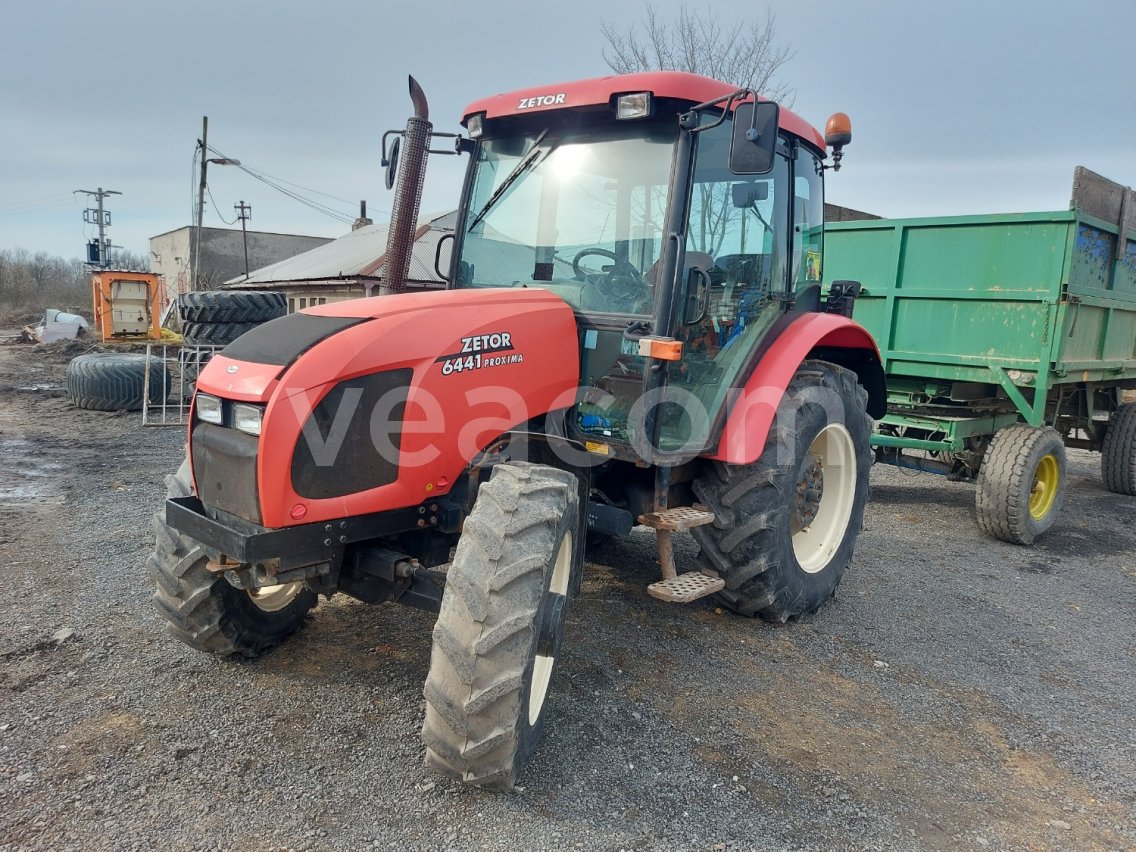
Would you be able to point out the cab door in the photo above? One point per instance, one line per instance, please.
(736, 286)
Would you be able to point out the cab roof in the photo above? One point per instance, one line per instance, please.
(678, 85)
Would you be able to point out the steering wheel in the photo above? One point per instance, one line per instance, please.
(622, 289)
(580, 255)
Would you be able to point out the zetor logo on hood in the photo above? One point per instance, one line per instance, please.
(480, 351)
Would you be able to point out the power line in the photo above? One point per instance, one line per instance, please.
(319, 207)
(217, 209)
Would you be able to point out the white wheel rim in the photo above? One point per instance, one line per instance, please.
(542, 665)
(816, 543)
(275, 598)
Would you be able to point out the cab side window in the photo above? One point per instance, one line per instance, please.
(808, 218)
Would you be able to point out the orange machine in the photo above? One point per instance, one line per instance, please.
(127, 305)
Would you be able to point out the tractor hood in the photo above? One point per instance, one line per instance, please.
(395, 392)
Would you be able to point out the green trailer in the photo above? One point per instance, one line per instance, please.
(1005, 339)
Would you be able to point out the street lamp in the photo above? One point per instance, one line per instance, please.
(205, 161)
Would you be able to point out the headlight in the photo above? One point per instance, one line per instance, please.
(208, 408)
(475, 125)
(246, 418)
(637, 105)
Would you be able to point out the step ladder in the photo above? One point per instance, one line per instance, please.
(675, 587)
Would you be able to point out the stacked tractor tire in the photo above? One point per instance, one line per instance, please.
(217, 318)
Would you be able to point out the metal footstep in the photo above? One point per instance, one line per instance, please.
(686, 587)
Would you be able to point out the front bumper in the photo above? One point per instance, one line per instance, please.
(248, 543)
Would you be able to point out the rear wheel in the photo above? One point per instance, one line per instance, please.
(785, 526)
(202, 609)
(1118, 453)
(1021, 484)
(500, 626)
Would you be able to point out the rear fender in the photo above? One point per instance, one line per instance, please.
(830, 337)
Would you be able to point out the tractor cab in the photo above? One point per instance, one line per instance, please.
(681, 220)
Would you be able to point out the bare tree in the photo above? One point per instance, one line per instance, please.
(745, 53)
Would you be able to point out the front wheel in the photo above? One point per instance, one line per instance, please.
(498, 633)
(785, 526)
(203, 609)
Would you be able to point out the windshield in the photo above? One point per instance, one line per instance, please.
(580, 213)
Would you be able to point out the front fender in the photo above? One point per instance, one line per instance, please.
(828, 336)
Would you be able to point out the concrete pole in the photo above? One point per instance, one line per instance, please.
(203, 144)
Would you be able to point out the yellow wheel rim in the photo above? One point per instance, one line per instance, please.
(1046, 480)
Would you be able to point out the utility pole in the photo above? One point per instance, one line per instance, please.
(244, 212)
(203, 148)
(101, 217)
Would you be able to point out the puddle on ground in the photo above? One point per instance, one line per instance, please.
(26, 477)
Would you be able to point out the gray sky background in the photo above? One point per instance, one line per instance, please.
(959, 107)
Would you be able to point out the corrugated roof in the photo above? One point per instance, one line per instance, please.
(359, 254)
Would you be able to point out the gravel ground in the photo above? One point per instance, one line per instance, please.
(959, 692)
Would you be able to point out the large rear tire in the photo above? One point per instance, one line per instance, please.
(232, 306)
(1118, 453)
(786, 525)
(203, 609)
(500, 626)
(214, 333)
(1021, 484)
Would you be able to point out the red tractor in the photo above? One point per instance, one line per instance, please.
(633, 332)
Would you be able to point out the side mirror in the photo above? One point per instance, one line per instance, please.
(391, 162)
(755, 138)
(837, 134)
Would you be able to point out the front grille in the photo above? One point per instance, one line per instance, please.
(224, 468)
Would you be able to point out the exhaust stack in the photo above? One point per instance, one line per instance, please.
(407, 194)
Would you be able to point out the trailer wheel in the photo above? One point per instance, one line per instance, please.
(1118, 452)
(499, 629)
(785, 526)
(202, 609)
(1021, 484)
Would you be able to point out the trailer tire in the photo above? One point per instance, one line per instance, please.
(114, 381)
(781, 547)
(1021, 483)
(202, 609)
(1118, 451)
(501, 623)
(214, 333)
(232, 306)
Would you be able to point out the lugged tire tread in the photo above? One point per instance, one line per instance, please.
(1118, 452)
(196, 603)
(214, 333)
(483, 634)
(232, 306)
(742, 542)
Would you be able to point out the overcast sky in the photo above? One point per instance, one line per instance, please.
(957, 107)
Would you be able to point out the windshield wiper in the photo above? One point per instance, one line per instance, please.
(526, 162)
